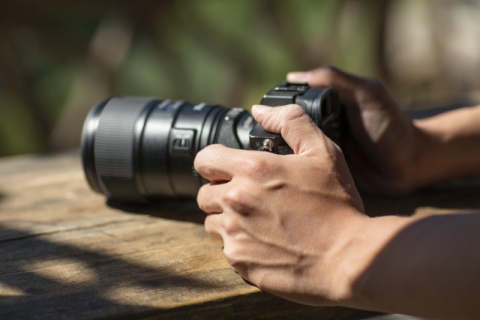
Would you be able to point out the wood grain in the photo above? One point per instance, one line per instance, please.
(67, 254)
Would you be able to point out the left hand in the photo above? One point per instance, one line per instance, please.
(287, 221)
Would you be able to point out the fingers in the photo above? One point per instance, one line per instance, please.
(325, 76)
(357, 94)
(328, 76)
(213, 225)
(295, 126)
(208, 200)
(217, 163)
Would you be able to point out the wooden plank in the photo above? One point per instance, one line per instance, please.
(44, 194)
(66, 253)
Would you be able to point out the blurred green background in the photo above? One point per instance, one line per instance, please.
(58, 58)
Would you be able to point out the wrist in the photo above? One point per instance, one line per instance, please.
(362, 286)
(347, 261)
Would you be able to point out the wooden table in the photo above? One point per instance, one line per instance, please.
(67, 254)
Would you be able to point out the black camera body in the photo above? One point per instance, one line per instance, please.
(322, 105)
(142, 149)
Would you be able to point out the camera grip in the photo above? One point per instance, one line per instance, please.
(262, 140)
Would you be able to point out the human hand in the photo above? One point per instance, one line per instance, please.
(286, 221)
(384, 146)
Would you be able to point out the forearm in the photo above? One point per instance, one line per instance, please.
(449, 146)
(420, 266)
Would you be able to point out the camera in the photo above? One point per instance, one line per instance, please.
(137, 149)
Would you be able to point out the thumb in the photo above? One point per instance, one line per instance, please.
(295, 126)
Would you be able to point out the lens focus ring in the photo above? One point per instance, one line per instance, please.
(114, 147)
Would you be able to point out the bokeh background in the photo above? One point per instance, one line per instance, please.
(58, 58)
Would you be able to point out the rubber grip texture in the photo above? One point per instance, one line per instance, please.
(114, 146)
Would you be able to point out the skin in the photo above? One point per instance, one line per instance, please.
(295, 225)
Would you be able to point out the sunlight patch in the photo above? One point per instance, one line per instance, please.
(6, 290)
(63, 271)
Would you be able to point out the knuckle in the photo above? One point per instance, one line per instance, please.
(375, 82)
(255, 166)
(293, 115)
(232, 256)
(201, 160)
(209, 226)
(202, 197)
(328, 68)
(233, 199)
(202, 193)
(202, 206)
(213, 148)
(203, 157)
(374, 86)
(328, 72)
(198, 161)
(238, 201)
(295, 111)
(231, 227)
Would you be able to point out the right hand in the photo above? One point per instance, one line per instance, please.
(290, 224)
(383, 145)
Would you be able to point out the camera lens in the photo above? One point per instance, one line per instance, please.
(137, 149)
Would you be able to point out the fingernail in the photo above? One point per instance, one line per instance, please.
(260, 108)
(298, 76)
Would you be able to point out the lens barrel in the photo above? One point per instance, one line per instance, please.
(139, 149)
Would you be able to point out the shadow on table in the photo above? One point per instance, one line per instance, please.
(31, 285)
(185, 210)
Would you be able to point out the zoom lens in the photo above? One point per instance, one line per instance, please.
(139, 149)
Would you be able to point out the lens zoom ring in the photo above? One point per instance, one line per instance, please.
(114, 144)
